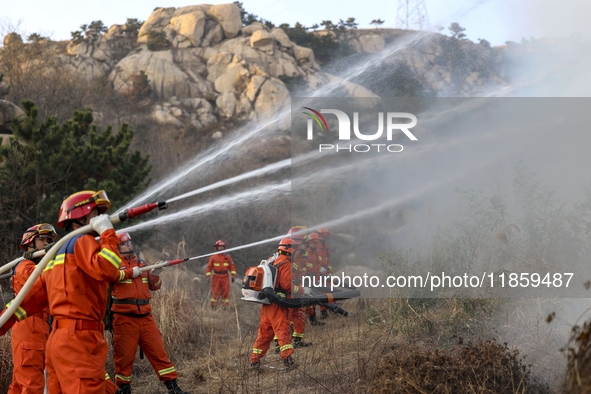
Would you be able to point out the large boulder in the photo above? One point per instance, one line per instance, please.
(190, 25)
(166, 78)
(157, 21)
(261, 39)
(228, 16)
(273, 97)
(248, 30)
(8, 111)
(281, 37)
(94, 46)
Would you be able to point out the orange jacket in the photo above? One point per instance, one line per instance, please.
(315, 261)
(324, 253)
(220, 263)
(283, 284)
(22, 271)
(136, 292)
(75, 283)
(299, 266)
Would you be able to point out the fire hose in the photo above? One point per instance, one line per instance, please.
(115, 219)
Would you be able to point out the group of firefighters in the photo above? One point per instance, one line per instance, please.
(58, 329)
(69, 300)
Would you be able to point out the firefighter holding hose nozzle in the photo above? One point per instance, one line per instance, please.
(134, 325)
(74, 285)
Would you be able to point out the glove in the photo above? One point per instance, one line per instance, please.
(323, 270)
(233, 279)
(136, 272)
(101, 223)
(307, 291)
(156, 271)
(49, 246)
(29, 254)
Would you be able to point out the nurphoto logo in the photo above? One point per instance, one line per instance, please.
(395, 121)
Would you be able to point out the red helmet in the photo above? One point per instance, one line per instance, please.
(81, 203)
(286, 245)
(43, 229)
(323, 231)
(297, 229)
(219, 243)
(312, 237)
(123, 237)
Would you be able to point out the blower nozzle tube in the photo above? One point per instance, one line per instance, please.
(325, 300)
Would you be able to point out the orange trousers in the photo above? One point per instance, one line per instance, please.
(128, 333)
(220, 286)
(298, 318)
(28, 356)
(75, 361)
(274, 320)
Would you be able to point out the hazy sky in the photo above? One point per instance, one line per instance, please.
(495, 20)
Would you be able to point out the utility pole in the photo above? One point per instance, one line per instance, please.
(412, 15)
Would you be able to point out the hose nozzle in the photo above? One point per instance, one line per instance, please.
(131, 213)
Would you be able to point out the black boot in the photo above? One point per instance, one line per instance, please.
(289, 363)
(324, 314)
(277, 347)
(315, 322)
(256, 366)
(173, 387)
(298, 342)
(124, 389)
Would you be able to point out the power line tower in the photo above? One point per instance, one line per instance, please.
(412, 15)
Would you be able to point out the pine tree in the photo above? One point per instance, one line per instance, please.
(47, 161)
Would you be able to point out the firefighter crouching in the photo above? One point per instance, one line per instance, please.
(218, 267)
(274, 318)
(74, 286)
(134, 325)
(29, 336)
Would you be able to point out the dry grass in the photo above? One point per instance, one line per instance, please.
(382, 342)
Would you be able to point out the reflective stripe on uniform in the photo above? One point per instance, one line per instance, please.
(124, 378)
(20, 313)
(297, 334)
(216, 264)
(295, 288)
(158, 283)
(111, 257)
(233, 272)
(144, 280)
(225, 301)
(285, 347)
(121, 275)
(207, 273)
(257, 351)
(126, 281)
(59, 259)
(165, 371)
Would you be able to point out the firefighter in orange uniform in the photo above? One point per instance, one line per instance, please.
(29, 336)
(275, 318)
(74, 285)
(219, 266)
(326, 267)
(314, 270)
(134, 325)
(299, 315)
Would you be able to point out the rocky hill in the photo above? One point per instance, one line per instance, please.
(198, 65)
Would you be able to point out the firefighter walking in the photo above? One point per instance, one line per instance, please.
(29, 336)
(274, 319)
(218, 267)
(134, 325)
(74, 286)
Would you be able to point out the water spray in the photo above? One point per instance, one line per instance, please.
(129, 213)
